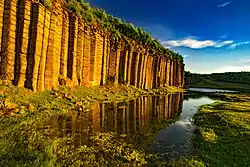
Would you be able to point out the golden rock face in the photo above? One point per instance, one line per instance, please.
(40, 48)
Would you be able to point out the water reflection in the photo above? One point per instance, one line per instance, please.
(128, 118)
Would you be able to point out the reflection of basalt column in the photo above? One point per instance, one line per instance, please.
(72, 52)
(86, 57)
(134, 115)
(7, 54)
(1, 21)
(35, 45)
(128, 119)
(96, 117)
(41, 71)
(170, 106)
(64, 45)
(166, 107)
(22, 39)
(130, 58)
(115, 117)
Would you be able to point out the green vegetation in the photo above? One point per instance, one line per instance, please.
(223, 133)
(115, 29)
(26, 139)
(239, 81)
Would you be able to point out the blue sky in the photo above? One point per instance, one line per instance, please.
(212, 35)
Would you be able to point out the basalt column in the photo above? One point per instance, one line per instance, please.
(42, 63)
(52, 65)
(129, 65)
(64, 45)
(104, 60)
(122, 65)
(79, 58)
(112, 63)
(156, 71)
(96, 59)
(86, 57)
(140, 72)
(171, 72)
(144, 69)
(134, 68)
(168, 68)
(182, 75)
(22, 40)
(72, 50)
(35, 46)
(118, 56)
(8, 43)
(149, 73)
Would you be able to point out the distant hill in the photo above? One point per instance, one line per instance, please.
(230, 80)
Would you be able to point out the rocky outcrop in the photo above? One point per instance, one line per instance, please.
(42, 48)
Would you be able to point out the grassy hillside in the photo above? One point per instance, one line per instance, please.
(233, 81)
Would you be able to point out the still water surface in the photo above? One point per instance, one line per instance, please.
(135, 118)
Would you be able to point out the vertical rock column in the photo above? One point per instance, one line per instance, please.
(8, 43)
(79, 58)
(126, 65)
(136, 67)
(183, 75)
(41, 70)
(35, 45)
(98, 60)
(64, 45)
(52, 66)
(168, 68)
(130, 57)
(111, 64)
(118, 56)
(171, 80)
(104, 60)
(149, 73)
(86, 57)
(72, 51)
(140, 71)
(144, 71)
(22, 41)
(155, 71)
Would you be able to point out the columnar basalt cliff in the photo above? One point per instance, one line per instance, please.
(43, 45)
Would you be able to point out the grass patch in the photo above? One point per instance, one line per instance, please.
(209, 83)
(222, 137)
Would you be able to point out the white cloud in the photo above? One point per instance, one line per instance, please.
(224, 4)
(233, 46)
(195, 44)
(231, 68)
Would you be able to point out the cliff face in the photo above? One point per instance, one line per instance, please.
(41, 49)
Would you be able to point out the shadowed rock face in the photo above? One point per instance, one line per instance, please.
(41, 49)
